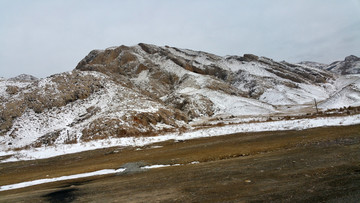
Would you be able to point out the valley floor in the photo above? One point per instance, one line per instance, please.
(313, 165)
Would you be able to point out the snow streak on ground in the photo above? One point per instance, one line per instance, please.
(48, 180)
(81, 175)
(155, 166)
(61, 149)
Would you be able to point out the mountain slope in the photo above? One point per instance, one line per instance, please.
(170, 70)
(148, 90)
(80, 106)
(348, 93)
(351, 65)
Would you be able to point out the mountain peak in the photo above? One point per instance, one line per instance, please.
(314, 64)
(24, 77)
(352, 58)
(351, 65)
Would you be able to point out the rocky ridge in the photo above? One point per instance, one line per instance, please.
(350, 65)
(148, 90)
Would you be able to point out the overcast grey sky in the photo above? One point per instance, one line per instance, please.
(43, 37)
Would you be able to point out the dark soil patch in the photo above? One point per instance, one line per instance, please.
(67, 195)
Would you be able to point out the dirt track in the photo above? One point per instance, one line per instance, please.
(313, 165)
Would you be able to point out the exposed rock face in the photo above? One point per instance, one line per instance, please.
(53, 92)
(249, 58)
(165, 67)
(194, 106)
(147, 90)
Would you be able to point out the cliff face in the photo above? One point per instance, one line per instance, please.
(148, 90)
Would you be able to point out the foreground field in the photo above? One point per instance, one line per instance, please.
(314, 165)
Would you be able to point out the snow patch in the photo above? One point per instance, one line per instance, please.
(154, 166)
(49, 180)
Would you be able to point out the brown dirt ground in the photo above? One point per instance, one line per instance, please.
(315, 165)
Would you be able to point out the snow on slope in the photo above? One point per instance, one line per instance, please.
(146, 89)
(275, 83)
(4, 84)
(284, 95)
(113, 102)
(351, 65)
(61, 149)
(252, 68)
(313, 64)
(231, 105)
(254, 76)
(24, 77)
(199, 83)
(18, 82)
(347, 95)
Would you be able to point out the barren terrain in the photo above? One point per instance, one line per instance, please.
(314, 165)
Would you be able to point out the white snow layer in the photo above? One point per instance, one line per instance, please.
(49, 180)
(229, 104)
(283, 95)
(298, 124)
(347, 95)
(155, 166)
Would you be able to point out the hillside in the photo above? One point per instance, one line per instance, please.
(147, 90)
(350, 65)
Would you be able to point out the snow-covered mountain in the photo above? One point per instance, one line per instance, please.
(146, 90)
(347, 94)
(351, 65)
(314, 64)
(24, 77)
(171, 72)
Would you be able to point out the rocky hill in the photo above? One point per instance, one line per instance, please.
(148, 90)
(351, 65)
(314, 64)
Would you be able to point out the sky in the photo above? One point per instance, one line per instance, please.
(42, 37)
